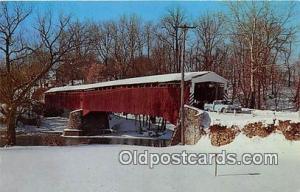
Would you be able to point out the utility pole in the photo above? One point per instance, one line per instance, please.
(184, 28)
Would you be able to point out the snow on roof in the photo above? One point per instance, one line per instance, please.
(132, 81)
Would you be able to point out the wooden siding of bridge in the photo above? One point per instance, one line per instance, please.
(154, 101)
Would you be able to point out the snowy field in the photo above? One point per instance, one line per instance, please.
(119, 124)
(128, 127)
(96, 168)
(241, 119)
(48, 124)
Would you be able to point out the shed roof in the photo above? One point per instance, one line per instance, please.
(172, 77)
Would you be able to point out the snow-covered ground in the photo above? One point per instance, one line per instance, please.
(130, 127)
(121, 126)
(241, 119)
(96, 168)
(48, 124)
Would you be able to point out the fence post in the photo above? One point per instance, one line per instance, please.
(216, 165)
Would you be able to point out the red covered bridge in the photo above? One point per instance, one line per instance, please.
(157, 95)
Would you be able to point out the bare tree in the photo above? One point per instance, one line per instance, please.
(210, 38)
(261, 35)
(287, 64)
(13, 48)
(172, 35)
(17, 76)
(77, 61)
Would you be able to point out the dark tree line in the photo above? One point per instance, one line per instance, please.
(251, 46)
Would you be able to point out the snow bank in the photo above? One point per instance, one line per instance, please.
(130, 127)
(96, 168)
(241, 119)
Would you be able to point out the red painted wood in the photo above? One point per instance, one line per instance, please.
(155, 101)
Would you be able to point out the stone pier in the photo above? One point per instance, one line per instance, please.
(193, 127)
(93, 123)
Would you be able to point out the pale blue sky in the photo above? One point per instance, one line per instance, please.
(146, 10)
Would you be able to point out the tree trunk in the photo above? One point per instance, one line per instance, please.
(259, 96)
(252, 86)
(289, 77)
(297, 96)
(11, 127)
(177, 53)
(252, 67)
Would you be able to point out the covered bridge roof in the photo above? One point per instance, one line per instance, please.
(202, 76)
